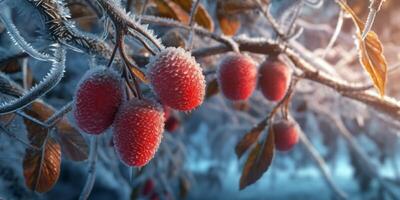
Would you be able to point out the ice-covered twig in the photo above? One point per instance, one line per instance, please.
(122, 19)
(374, 8)
(51, 121)
(48, 83)
(91, 178)
(5, 17)
(193, 10)
(275, 25)
(336, 33)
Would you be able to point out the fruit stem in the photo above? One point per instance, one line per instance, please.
(112, 55)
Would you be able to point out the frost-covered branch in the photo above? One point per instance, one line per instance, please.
(91, 171)
(49, 82)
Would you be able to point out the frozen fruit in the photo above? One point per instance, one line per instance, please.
(97, 99)
(237, 76)
(274, 79)
(138, 129)
(286, 134)
(177, 79)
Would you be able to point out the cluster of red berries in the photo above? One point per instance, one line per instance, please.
(176, 79)
(237, 76)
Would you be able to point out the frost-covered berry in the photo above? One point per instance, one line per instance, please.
(97, 99)
(177, 79)
(274, 79)
(138, 128)
(237, 76)
(286, 135)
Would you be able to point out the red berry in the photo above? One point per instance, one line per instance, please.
(148, 187)
(286, 135)
(97, 100)
(274, 79)
(138, 128)
(177, 79)
(237, 77)
(172, 124)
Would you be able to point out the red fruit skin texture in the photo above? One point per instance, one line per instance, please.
(177, 79)
(148, 187)
(138, 129)
(97, 100)
(172, 124)
(286, 135)
(274, 79)
(237, 77)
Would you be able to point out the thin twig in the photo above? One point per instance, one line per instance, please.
(51, 121)
(195, 5)
(271, 19)
(335, 34)
(4, 130)
(91, 178)
(321, 164)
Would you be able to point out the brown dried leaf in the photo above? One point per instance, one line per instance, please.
(168, 8)
(10, 67)
(249, 139)
(371, 52)
(42, 169)
(258, 162)
(212, 88)
(201, 17)
(73, 144)
(36, 133)
(139, 74)
(229, 24)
